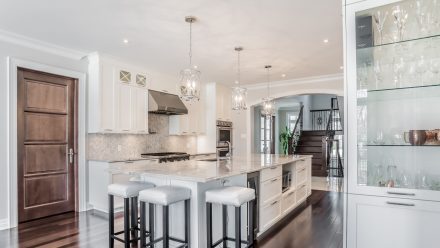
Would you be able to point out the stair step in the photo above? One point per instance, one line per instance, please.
(310, 143)
(313, 133)
(319, 173)
(311, 138)
(315, 149)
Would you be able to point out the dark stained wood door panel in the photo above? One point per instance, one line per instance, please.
(46, 125)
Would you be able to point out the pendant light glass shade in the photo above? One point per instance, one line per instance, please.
(268, 105)
(190, 84)
(239, 94)
(190, 78)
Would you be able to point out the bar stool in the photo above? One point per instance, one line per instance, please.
(129, 191)
(164, 196)
(230, 196)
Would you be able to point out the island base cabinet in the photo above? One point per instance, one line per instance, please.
(383, 222)
(269, 214)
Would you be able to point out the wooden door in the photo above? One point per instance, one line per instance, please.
(46, 126)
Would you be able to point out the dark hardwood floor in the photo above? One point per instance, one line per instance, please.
(317, 224)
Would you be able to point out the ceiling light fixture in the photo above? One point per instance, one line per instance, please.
(190, 77)
(325, 40)
(238, 93)
(341, 67)
(268, 105)
(125, 41)
(283, 75)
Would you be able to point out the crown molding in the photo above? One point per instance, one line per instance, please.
(304, 80)
(39, 45)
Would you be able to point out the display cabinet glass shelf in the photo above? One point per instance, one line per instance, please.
(396, 75)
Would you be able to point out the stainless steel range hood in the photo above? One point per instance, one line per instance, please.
(165, 104)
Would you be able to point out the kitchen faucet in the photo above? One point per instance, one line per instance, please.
(229, 154)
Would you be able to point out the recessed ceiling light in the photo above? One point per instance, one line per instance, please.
(125, 41)
(325, 40)
(341, 67)
(283, 75)
(195, 67)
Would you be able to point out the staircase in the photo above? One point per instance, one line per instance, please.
(311, 143)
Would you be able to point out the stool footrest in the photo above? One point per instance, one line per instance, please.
(184, 244)
(228, 239)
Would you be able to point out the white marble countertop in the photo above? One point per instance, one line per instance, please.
(205, 171)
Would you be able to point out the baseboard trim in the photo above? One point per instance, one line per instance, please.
(4, 224)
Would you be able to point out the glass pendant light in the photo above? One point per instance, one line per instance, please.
(190, 77)
(238, 93)
(268, 105)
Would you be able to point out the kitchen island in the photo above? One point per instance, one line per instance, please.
(282, 182)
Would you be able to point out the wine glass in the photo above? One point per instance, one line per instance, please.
(434, 67)
(421, 68)
(378, 73)
(423, 16)
(379, 19)
(398, 65)
(400, 17)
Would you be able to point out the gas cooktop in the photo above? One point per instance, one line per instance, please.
(167, 156)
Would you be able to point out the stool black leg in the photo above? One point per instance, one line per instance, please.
(225, 225)
(251, 225)
(237, 227)
(187, 222)
(166, 237)
(111, 221)
(143, 226)
(209, 224)
(151, 223)
(134, 217)
(126, 222)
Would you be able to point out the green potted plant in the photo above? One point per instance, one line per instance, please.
(285, 136)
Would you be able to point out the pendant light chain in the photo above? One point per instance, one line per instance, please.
(190, 44)
(238, 68)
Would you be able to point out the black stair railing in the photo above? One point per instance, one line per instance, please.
(296, 132)
(333, 162)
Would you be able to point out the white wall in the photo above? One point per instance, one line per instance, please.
(8, 49)
(243, 131)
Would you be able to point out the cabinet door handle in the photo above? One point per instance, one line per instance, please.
(273, 203)
(290, 193)
(401, 204)
(273, 168)
(400, 193)
(108, 130)
(303, 169)
(274, 180)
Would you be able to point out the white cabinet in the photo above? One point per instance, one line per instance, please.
(223, 102)
(118, 97)
(140, 110)
(191, 124)
(383, 222)
(276, 203)
(125, 120)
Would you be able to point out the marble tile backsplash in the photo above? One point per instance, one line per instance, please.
(105, 146)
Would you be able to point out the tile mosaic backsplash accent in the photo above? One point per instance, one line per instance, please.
(105, 146)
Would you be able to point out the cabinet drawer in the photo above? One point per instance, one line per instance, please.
(301, 176)
(301, 192)
(288, 201)
(270, 213)
(270, 173)
(391, 222)
(300, 165)
(269, 190)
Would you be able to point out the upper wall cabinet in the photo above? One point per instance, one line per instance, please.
(118, 97)
(191, 124)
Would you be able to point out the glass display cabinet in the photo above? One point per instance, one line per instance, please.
(393, 122)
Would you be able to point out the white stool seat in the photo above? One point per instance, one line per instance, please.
(128, 189)
(164, 195)
(235, 196)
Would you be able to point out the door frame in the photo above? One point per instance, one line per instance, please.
(13, 64)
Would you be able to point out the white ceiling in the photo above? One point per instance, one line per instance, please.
(288, 34)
